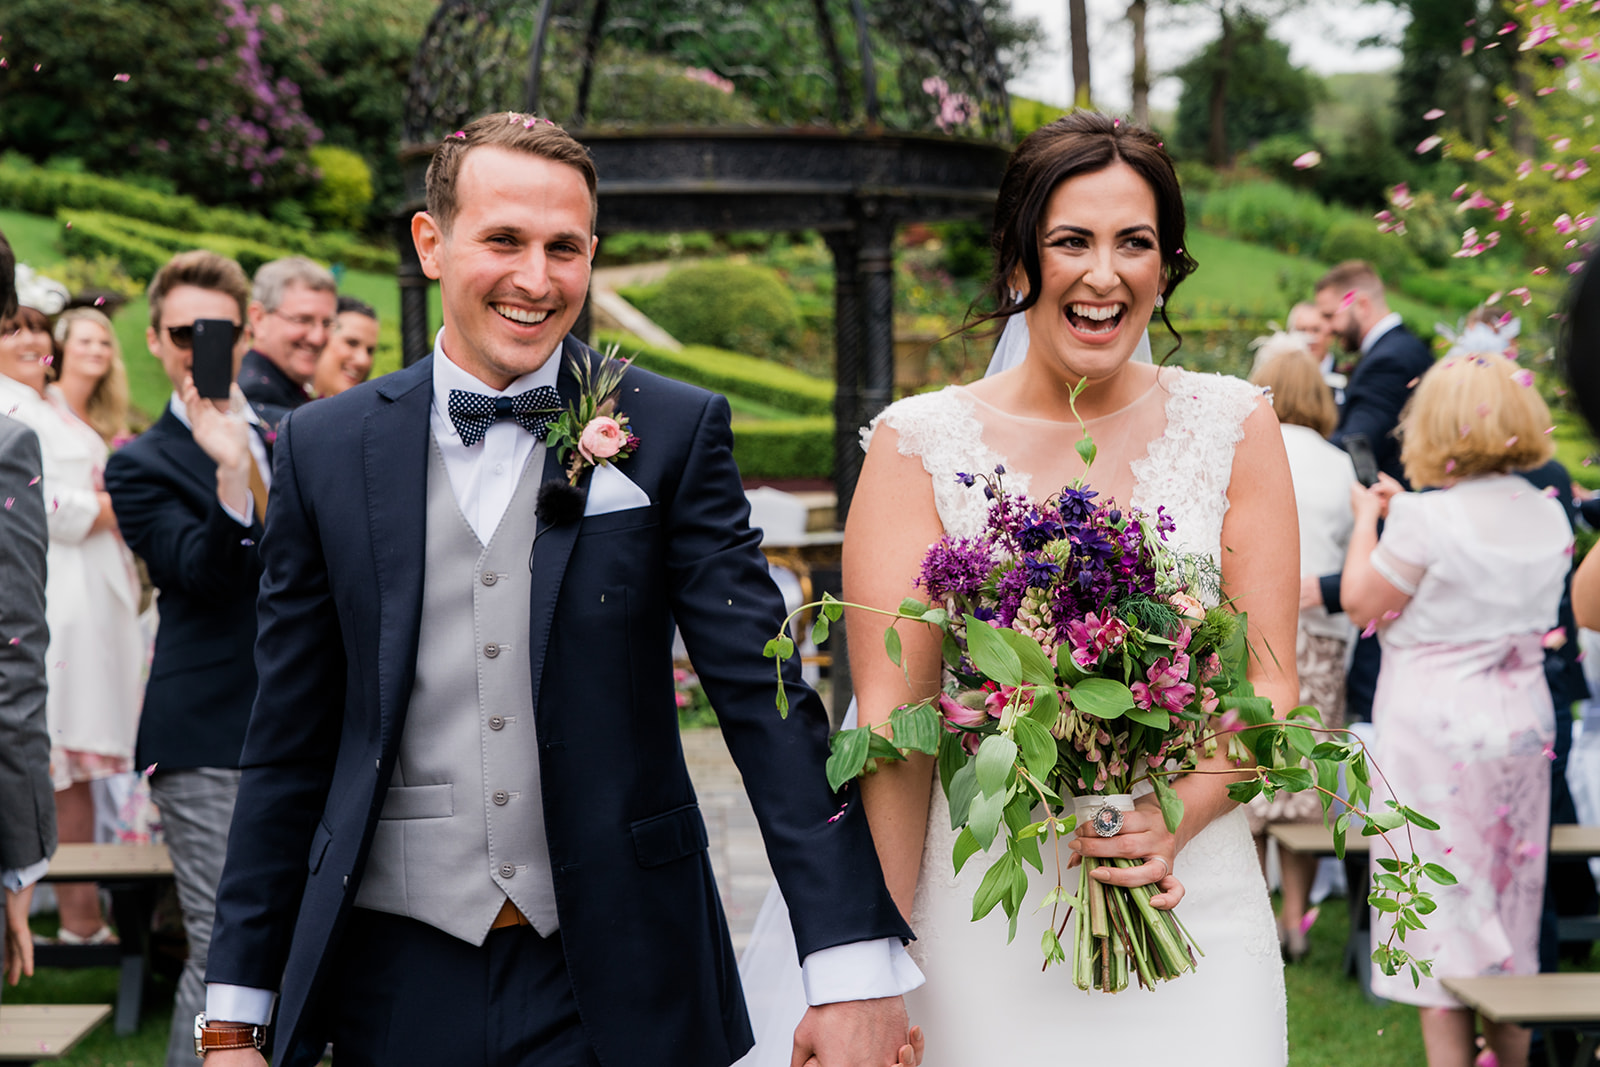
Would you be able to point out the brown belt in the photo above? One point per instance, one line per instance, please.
(509, 916)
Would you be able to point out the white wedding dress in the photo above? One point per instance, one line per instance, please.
(985, 1001)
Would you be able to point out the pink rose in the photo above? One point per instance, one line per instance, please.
(1189, 608)
(601, 439)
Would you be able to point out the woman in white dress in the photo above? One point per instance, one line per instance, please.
(92, 596)
(1089, 229)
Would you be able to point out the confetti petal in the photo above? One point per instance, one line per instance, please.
(1433, 113)
(1307, 160)
(1428, 144)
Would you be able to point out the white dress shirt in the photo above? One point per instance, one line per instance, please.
(483, 479)
(1379, 328)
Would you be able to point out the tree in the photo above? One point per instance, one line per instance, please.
(1234, 17)
(1078, 30)
(1137, 11)
(1261, 93)
(1451, 58)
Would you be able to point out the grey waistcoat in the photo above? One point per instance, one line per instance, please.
(462, 826)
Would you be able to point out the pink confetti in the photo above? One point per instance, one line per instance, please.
(1482, 154)
(1558, 637)
(1307, 160)
(1548, 430)
(1523, 378)
(1449, 465)
(1484, 410)
(1433, 113)
(1370, 629)
(10, 500)
(120, 77)
(1501, 811)
(1349, 298)
(1428, 144)
(15, 641)
(1390, 616)
(35, 480)
(1467, 45)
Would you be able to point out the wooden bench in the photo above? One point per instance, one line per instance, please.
(1549, 1001)
(30, 1033)
(134, 875)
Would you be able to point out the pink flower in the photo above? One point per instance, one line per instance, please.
(957, 713)
(1188, 608)
(1168, 686)
(1091, 638)
(1230, 723)
(1555, 638)
(601, 439)
(1307, 160)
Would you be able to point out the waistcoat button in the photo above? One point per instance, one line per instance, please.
(491, 650)
(501, 797)
(489, 577)
(496, 723)
(507, 871)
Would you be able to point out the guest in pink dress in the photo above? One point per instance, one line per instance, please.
(1463, 586)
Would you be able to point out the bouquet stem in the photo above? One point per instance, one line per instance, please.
(1120, 934)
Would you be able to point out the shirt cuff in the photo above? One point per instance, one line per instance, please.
(1330, 592)
(19, 878)
(238, 1004)
(863, 970)
(243, 520)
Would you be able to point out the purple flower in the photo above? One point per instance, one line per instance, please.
(956, 568)
(1077, 505)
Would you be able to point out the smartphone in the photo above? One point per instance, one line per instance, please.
(213, 357)
(1362, 456)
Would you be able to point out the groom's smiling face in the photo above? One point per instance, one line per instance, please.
(513, 268)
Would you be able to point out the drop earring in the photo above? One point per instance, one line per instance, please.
(1161, 301)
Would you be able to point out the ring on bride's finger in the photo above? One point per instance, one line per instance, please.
(1166, 869)
(1107, 821)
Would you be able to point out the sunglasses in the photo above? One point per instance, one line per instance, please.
(183, 336)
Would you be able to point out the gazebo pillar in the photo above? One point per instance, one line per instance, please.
(847, 345)
(415, 339)
(876, 269)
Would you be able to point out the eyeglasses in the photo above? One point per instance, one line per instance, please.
(307, 322)
(183, 336)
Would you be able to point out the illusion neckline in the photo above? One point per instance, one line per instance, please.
(1160, 384)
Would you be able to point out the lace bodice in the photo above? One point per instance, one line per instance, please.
(1172, 448)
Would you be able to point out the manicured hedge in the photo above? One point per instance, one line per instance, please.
(24, 187)
(732, 373)
(144, 246)
(785, 448)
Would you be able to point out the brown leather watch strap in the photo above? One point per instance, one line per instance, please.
(219, 1037)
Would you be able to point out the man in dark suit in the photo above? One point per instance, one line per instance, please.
(476, 752)
(27, 799)
(189, 495)
(293, 313)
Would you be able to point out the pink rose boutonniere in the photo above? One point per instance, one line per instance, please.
(592, 432)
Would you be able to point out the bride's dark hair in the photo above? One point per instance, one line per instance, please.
(1080, 143)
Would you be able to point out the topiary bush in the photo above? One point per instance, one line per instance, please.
(343, 190)
(736, 306)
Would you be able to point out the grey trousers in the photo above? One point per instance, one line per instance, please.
(196, 809)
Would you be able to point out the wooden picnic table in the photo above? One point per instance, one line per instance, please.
(30, 1033)
(134, 876)
(1548, 1001)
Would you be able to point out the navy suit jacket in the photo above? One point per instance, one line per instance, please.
(202, 680)
(646, 943)
(1379, 388)
(270, 391)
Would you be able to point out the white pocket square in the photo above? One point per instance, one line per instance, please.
(611, 490)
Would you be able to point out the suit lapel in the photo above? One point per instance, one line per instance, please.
(394, 451)
(554, 546)
(178, 445)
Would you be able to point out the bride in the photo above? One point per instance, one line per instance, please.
(1089, 234)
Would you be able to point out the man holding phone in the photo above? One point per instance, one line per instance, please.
(189, 495)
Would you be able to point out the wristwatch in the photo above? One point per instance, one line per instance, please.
(217, 1037)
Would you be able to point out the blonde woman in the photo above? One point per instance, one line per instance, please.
(1463, 585)
(88, 376)
(1323, 477)
(95, 651)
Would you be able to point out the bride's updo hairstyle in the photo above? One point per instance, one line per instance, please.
(1080, 143)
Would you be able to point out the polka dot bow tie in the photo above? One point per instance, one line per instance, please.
(474, 413)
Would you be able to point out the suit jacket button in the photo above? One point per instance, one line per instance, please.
(501, 797)
(491, 650)
(496, 723)
(507, 871)
(489, 577)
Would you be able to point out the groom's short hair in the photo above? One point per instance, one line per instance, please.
(1353, 275)
(510, 130)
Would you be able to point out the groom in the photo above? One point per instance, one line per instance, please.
(465, 832)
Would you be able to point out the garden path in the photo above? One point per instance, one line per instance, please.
(738, 858)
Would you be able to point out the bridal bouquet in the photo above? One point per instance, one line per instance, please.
(1081, 661)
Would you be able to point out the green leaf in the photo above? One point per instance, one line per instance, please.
(1255, 711)
(963, 788)
(849, 756)
(983, 817)
(1382, 820)
(913, 607)
(819, 629)
(1384, 904)
(1103, 698)
(880, 747)
(1038, 748)
(1050, 945)
(1340, 826)
(891, 644)
(1418, 819)
(996, 883)
(1086, 450)
(771, 649)
(1155, 718)
(995, 758)
(952, 757)
(1306, 711)
(950, 650)
(994, 658)
(1171, 804)
(1301, 737)
(1036, 667)
(916, 728)
(832, 608)
(1438, 874)
(936, 617)
(1046, 707)
(1244, 792)
(1393, 883)
(1293, 779)
(966, 847)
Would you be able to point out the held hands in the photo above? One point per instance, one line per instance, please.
(856, 1033)
(1144, 836)
(1372, 504)
(19, 939)
(1310, 591)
